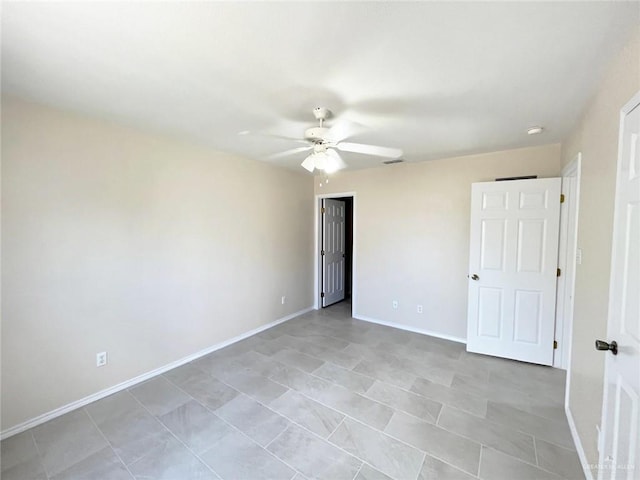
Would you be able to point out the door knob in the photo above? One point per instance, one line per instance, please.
(475, 277)
(602, 345)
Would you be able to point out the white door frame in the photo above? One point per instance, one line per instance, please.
(567, 251)
(317, 264)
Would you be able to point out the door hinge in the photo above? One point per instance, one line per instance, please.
(321, 252)
(558, 272)
(322, 210)
(562, 198)
(555, 344)
(321, 294)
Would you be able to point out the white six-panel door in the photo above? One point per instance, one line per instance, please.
(620, 452)
(333, 250)
(512, 269)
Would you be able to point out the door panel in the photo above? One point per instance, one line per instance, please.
(514, 253)
(620, 452)
(493, 242)
(531, 245)
(333, 248)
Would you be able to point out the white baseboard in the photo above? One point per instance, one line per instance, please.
(576, 440)
(45, 417)
(410, 329)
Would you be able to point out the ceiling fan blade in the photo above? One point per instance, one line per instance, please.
(336, 163)
(369, 149)
(343, 129)
(270, 135)
(286, 153)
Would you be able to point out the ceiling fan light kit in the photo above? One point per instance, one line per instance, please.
(326, 141)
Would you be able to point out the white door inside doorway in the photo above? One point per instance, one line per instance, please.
(333, 251)
(620, 452)
(512, 269)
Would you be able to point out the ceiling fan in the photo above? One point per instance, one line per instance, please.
(326, 141)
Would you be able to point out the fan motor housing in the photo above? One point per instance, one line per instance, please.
(316, 134)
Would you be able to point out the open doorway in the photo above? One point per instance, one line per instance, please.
(335, 258)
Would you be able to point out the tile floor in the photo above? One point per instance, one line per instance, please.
(320, 396)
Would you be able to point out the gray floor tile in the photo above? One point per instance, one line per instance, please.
(367, 472)
(439, 346)
(255, 386)
(552, 412)
(390, 456)
(437, 442)
(405, 401)
(209, 391)
(254, 419)
(67, 440)
(467, 365)
(346, 378)
(300, 381)
(495, 435)
(357, 406)
(29, 469)
(258, 364)
(139, 446)
(561, 461)
(103, 465)
(126, 424)
(338, 357)
(170, 461)
(113, 406)
(430, 371)
(295, 445)
(312, 415)
(535, 379)
(451, 396)
(269, 347)
(551, 430)
(185, 374)
(497, 392)
(18, 449)
(370, 354)
(330, 343)
(498, 466)
(196, 426)
(301, 345)
(385, 372)
(434, 469)
(159, 396)
(236, 457)
(298, 360)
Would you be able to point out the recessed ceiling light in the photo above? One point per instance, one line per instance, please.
(534, 130)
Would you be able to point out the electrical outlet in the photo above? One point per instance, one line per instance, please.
(282, 300)
(419, 309)
(101, 359)
(394, 304)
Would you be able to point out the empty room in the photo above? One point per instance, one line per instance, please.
(320, 240)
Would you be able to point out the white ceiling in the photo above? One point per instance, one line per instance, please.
(436, 79)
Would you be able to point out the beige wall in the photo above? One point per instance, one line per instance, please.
(596, 136)
(134, 244)
(412, 233)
